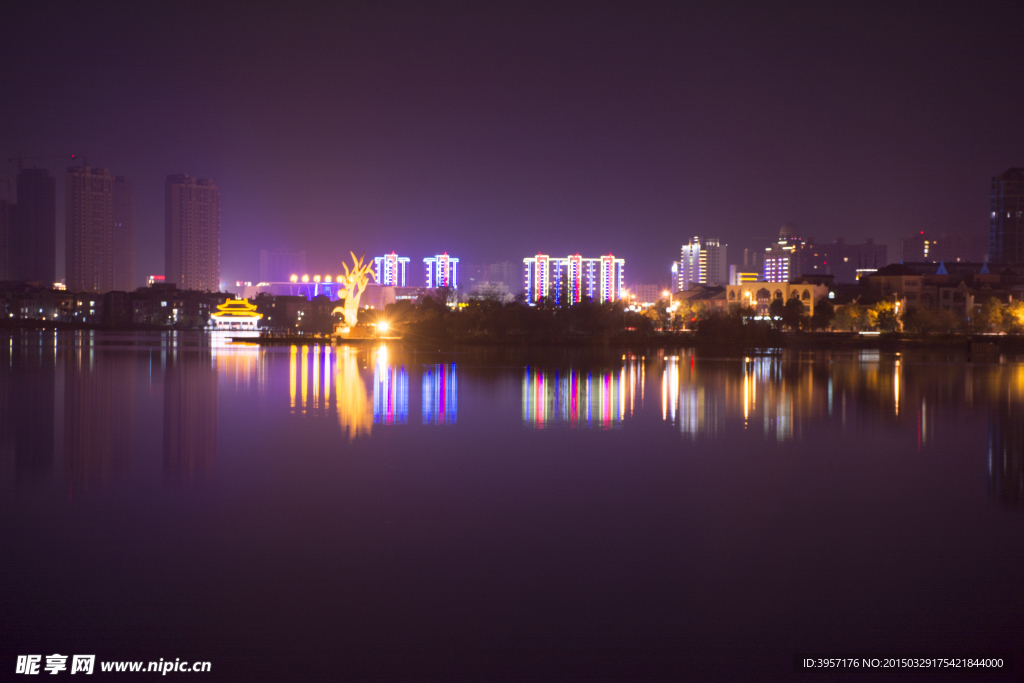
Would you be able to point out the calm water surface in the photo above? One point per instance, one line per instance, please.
(335, 513)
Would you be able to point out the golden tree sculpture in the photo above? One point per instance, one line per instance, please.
(355, 282)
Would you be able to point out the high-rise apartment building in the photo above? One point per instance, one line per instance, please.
(1006, 218)
(32, 245)
(192, 233)
(390, 270)
(781, 260)
(574, 279)
(5, 236)
(99, 219)
(89, 229)
(703, 262)
(442, 271)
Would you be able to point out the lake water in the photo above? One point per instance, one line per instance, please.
(362, 513)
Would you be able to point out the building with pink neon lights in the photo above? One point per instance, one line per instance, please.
(390, 270)
(442, 271)
(575, 278)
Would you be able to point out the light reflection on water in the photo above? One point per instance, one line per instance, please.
(578, 397)
(262, 492)
(73, 397)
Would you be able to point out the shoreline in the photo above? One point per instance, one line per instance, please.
(971, 343)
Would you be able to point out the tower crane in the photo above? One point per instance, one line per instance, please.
(21, 159)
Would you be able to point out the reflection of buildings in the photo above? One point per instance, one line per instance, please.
(1006, 455)
(190, 413)
(27, 380)
(238, 364)
(309, 379)
(99, 397)
(390, 391)
(582, 398)
(318, 375)
(440, 394)
(687, 399)
(781, 395)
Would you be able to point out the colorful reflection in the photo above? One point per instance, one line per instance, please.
(780, 395)
(309, 379)
(355, 416)
(440, 394)
(582, 398)
(325, 381)
(390, 391)
(239, 364)
(685, 400)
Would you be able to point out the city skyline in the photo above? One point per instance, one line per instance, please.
(112, 210)
(511, 130)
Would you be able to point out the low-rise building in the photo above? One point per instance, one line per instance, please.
(759, 295)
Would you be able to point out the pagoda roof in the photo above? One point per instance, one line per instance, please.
(237, 307)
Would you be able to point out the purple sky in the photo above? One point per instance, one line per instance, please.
(493, 134)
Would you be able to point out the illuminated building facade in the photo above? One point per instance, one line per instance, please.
(780, 259)
(442, 271)
(760, 295)
(738, 277)
(701, 262)
(312, 286)
(574, 278)
(390, 270)
(236, 314)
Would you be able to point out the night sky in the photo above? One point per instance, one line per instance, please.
(493, 133)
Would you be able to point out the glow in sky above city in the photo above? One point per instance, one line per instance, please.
(494, 132)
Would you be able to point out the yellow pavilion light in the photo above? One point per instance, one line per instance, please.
(295, 278)
(305, 278)
(235, 314)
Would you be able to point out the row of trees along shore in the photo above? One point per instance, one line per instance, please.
(437, 317)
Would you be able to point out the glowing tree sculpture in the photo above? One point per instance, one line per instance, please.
(355, 283)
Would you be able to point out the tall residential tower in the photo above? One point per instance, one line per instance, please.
(99, 213)
(1006, 218)
(702, 261)
(192, 235)
(32, 244)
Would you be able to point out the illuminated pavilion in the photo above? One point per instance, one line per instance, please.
(236, 314)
